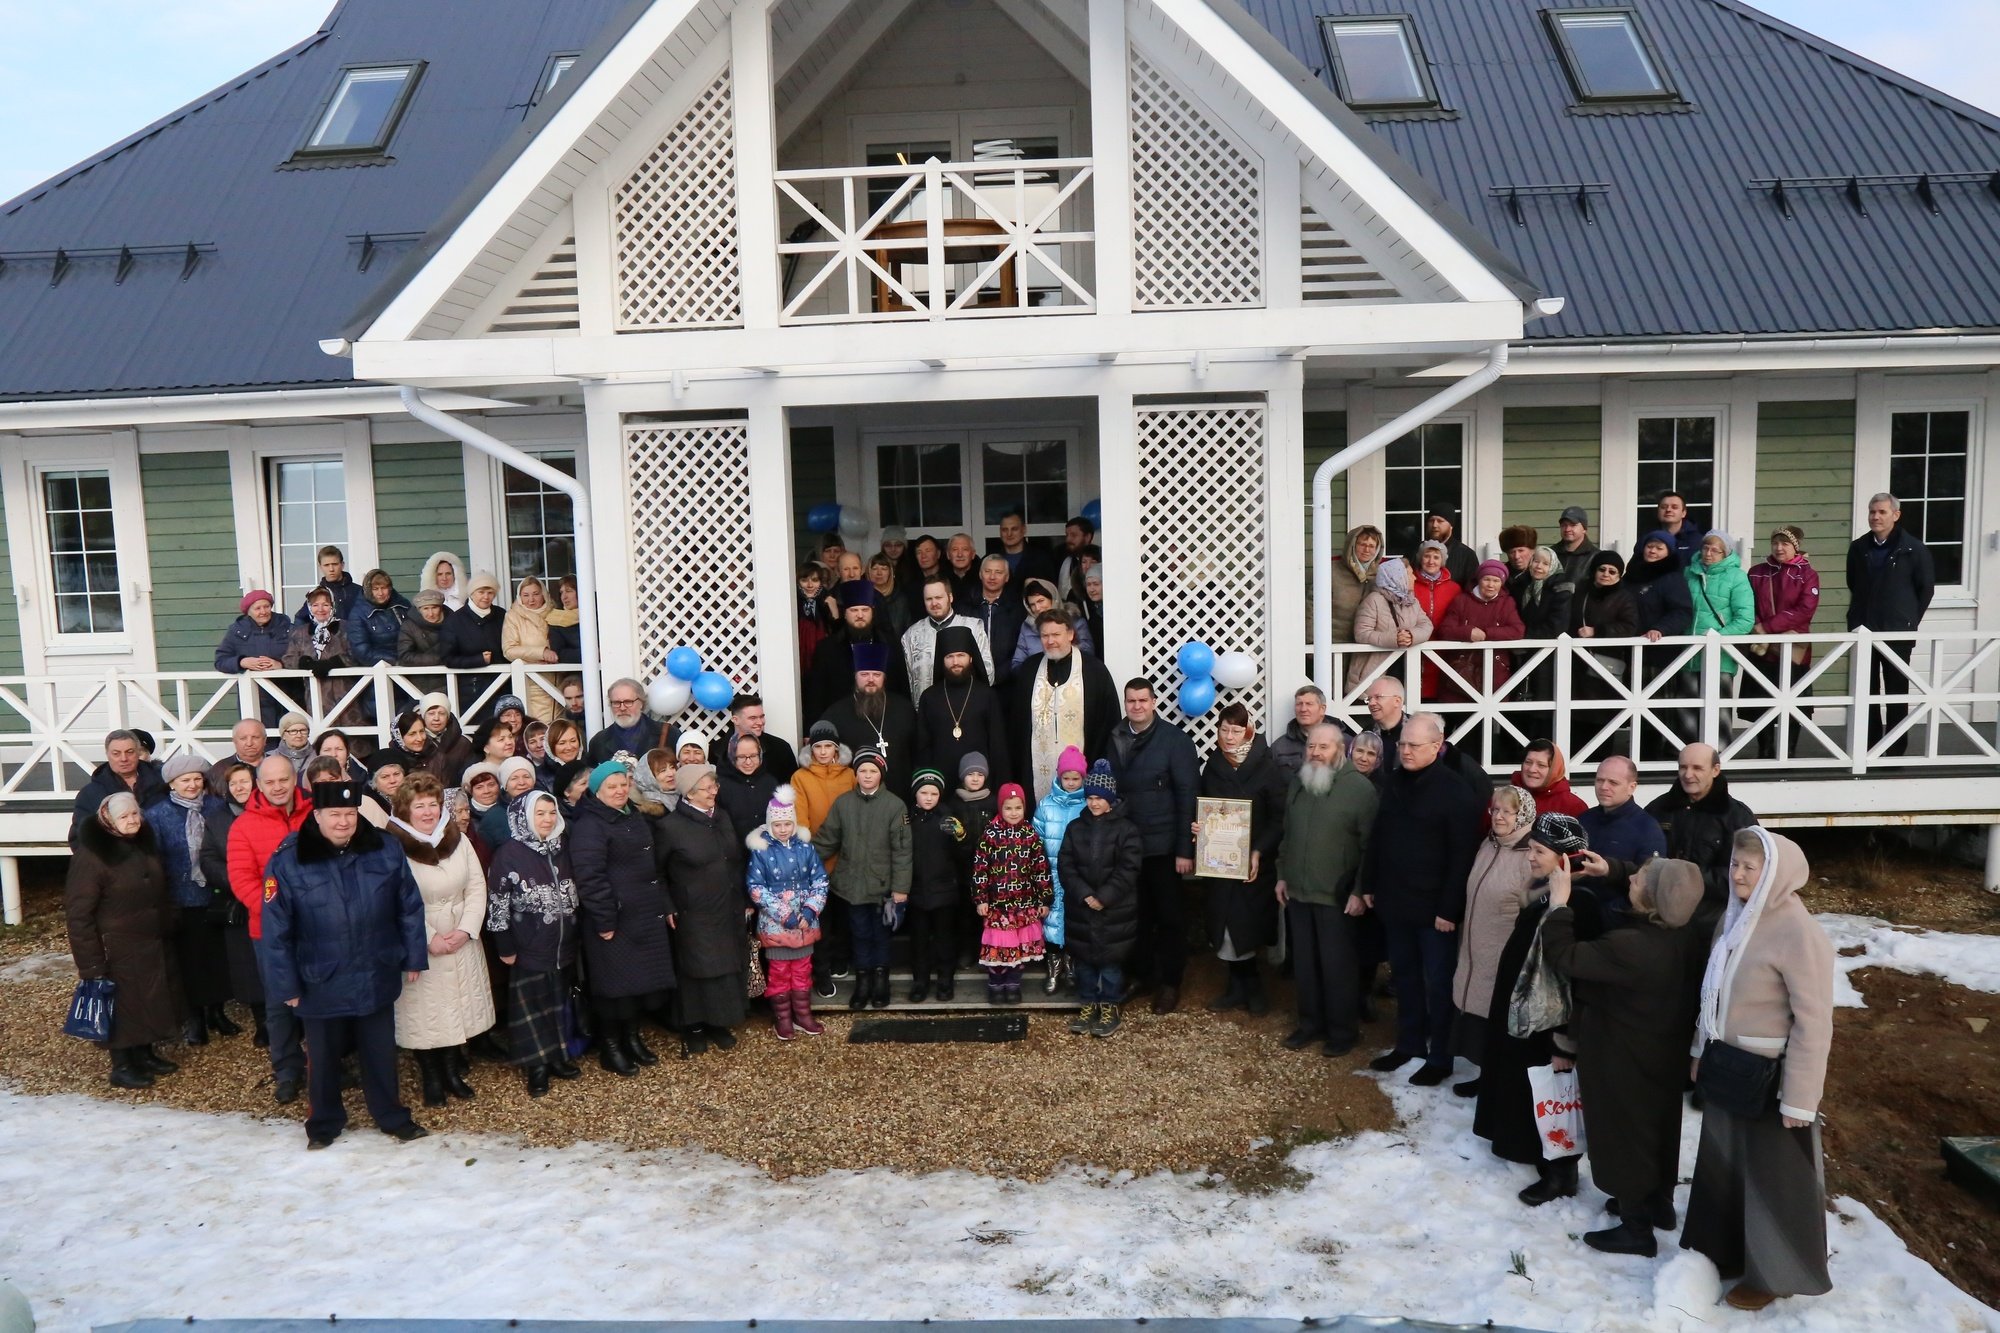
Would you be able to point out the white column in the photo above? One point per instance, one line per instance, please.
(611, 519)
(1118, 533)
(1740, 484)
(772, 567)
(756, 165)
(1111, 151)
(1618, 482)
(1285, 667)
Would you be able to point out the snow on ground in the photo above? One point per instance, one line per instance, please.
(115, 1212)
(1972, 961)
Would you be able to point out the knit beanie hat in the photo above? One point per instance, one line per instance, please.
(251, 598)
(1493, 567)
(973, 761)
(1674, 887)
(783, 804)
(483, 579)
(1100, 781)
(474, 772)
(598, 776)
(182, 764)
(870, 757)
(689, 736)
(513, 765)
(1071, 760)
(688, 776)
(1012, 792)
(1559, 833)
(428, 597)
(823, 730)
(290, 720)
(927, 777)
(507, 701)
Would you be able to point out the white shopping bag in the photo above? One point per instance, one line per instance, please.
(1558, 1111)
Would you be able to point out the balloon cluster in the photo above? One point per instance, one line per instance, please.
(685, 682)
(1203, 669)
(847, 520)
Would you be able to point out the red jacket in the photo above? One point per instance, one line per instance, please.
(1556, 798)
(1434, 598)
(1786, 596)
(1501, 622)
(253, 838)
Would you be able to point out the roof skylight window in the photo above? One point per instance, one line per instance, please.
(1377, 64)
(1608, 56)
(361, 115)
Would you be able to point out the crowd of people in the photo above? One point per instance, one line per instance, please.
(974, 782)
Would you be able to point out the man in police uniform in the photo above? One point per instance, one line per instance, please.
(343, 929)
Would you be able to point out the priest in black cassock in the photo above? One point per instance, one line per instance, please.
(832, 675)
(873, 718)
(1058, 698)
(961, 714)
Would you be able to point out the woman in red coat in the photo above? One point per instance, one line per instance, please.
(1544, 775)
(1483, 614)
(1435, 589)
(1786, 589)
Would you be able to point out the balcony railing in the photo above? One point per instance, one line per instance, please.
(1598, 697)
(988, 238)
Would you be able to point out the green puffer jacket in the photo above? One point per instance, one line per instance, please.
(1723, 600)
(871, 836)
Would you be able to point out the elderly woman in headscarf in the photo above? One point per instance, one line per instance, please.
(702, 862)
(1630, 1022)
(1505, 1115)
(453, 1002)
(531, 903)
(1542, 594)
(121, 927)
(1494, 893)
(1389, 617)
(626, 913)
(1351, 577)
(1765, 1026)
(318, 644)
(179, 823)
(455, 752)
(524, 638)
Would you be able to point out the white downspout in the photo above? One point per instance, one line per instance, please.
(586, 549)
(1322, 495)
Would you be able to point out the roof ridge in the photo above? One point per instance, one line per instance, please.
(35, 192)
(1986, 120)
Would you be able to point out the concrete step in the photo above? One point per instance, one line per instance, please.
(969, 986)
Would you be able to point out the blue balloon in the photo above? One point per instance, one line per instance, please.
(713, 691)
(823, 517)
(1094, 511)
(1197, 696)
(683, 664)
(1197, 660)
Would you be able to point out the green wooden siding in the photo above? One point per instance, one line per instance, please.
(419, 507)
(191, 542)
(10, 617)
(1805, 476)
(1551, 458)
(1326, 435)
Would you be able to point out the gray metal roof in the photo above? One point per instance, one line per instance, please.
(1678, 243)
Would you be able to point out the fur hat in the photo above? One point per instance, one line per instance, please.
(345, 795)
(1519, 535)
(1101, 781)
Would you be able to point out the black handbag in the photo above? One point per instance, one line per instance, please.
(1740, 1082)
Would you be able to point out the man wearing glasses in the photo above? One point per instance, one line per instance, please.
(629, 729)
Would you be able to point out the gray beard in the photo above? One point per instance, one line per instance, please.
(1317, 779)
(1058, 656)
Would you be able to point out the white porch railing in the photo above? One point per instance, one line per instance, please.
(1598, 697)
(993, 238)
(52, 727)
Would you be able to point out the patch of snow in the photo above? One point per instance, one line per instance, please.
(1685, 1292)
(36, 966)
(1972, 961)
(120, 1211)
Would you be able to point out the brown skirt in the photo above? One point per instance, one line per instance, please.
(1758, 1204)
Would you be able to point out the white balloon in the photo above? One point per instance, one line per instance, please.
(667, 697)
(1235, 671)
(854, 522)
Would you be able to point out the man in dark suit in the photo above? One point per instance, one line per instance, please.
(1890, 580)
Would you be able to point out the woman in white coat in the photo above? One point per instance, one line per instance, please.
(452, 1002)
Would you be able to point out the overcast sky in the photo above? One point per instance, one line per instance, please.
(78, 75)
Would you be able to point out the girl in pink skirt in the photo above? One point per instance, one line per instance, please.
(1012, 891)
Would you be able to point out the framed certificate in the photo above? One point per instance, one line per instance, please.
(1222, 838)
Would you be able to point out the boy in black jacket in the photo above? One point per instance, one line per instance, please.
(936, 838)
(1100, 857)
(975, 806)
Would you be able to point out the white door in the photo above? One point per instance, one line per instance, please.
(958, 480)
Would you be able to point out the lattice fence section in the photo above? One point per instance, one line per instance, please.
(1332, 270)
(1197, 203)
(688, 489)
(675, 224)
(1202, 509)
(546, 303)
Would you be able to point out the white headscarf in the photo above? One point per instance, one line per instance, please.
(1737, 924)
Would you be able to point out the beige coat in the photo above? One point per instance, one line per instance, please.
(1348, 583)
(1494, 893)
(524, 637)
(1777, 993)
(1376, 622)
(452, 1002)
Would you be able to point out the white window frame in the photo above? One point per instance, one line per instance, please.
(485, 484)
(40, 473)
(503, 552)
(1719, 492)
(1878, 398)
(253, 448)
(275, 537)
(972, 475)
(1468, 475)
(33, 569)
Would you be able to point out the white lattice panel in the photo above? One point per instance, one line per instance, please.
(1202, 512)
(688, 497)
(674, 222)
(1197, 203)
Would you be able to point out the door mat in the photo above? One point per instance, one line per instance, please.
(969, 1027)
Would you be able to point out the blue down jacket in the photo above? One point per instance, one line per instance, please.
(341, 924)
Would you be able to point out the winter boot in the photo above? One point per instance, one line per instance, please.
(1166, 999)
(947, 987)
(152, 1062)
(636, 1047)
(1469, 1088)
(1232, 994)
(1013, 992)
(859, 999)
(878, 988)
(802, 1014)
(457, 1064)
(722, 1038)
(220, 1023)
(1084, 1018)
(125, 1073)
(694, 1042)
(1254, 999)
(261, 1039)
(538, 1081)
(431, 1072)
(1634, 1235)
(996, 993)
(1557, 1180)
(611, 1049)
(1056, 967)
(194, 1030)
(920, 988)
(1109, 1020)
(781, 1014)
